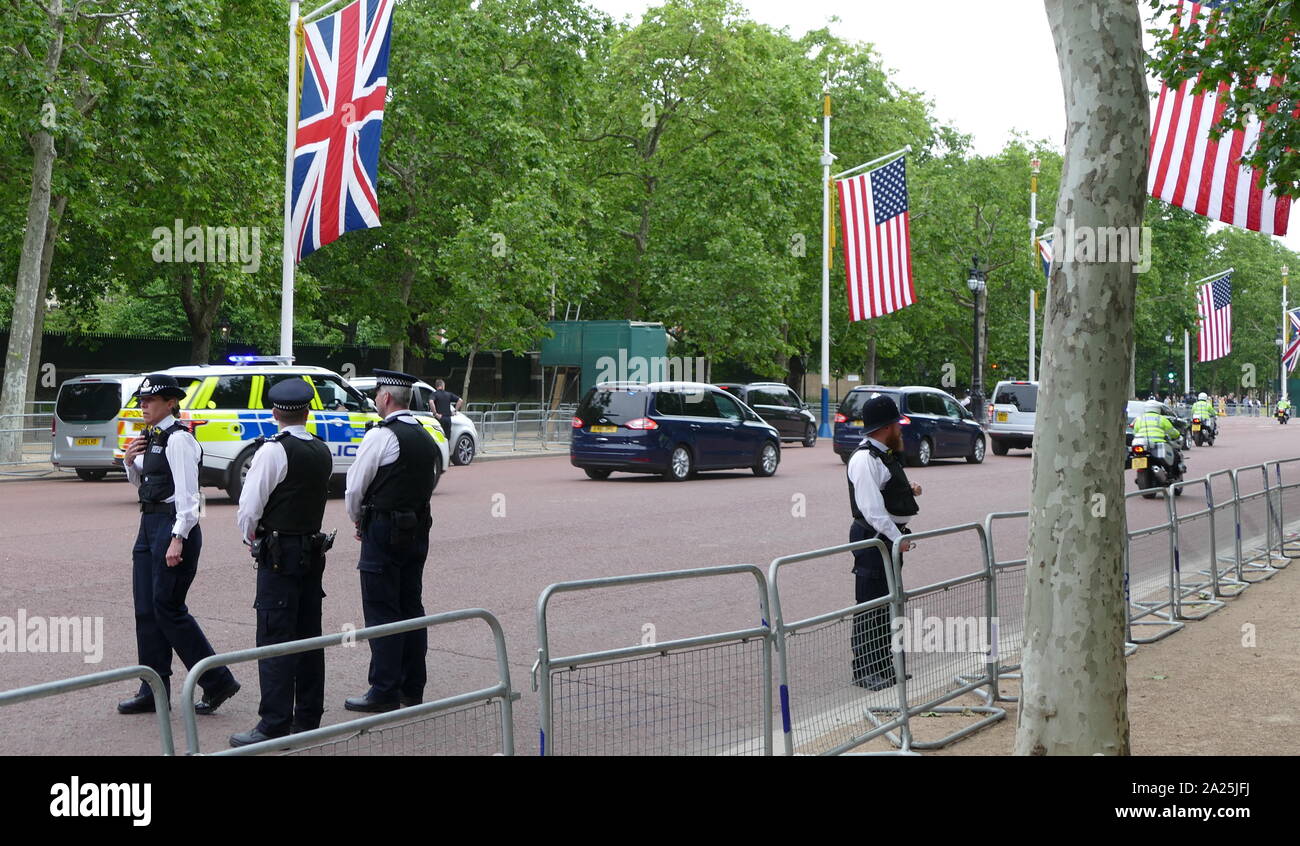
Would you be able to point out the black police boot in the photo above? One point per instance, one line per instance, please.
(141, 703)
(211, 701)
(368, 704)
(248, 738)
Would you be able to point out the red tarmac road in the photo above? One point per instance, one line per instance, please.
(503, 531)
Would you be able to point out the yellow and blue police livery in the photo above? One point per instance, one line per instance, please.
(227, 407)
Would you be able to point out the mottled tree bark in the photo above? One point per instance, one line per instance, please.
(1074, 694)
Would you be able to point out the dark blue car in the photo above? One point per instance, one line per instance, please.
(934, 424)
(671, 428)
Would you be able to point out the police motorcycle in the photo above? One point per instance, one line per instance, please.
(1203, 431)
(1283, 414)
(1156, 465)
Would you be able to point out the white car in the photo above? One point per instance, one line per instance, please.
(1012, 416)
(463, 439)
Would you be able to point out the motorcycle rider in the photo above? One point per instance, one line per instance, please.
(1284, 405)
(1204, 409)
(1155, 428)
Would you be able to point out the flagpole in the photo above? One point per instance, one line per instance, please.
(887, 156)
(1282, 374)
(1034, 165)
(288, 253)
(1187, 362)
(827, 159)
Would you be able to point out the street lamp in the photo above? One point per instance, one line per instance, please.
(975, 281)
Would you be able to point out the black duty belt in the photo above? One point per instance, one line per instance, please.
(871, 530)
(157, 508)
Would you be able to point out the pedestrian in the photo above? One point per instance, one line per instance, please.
(387, 497)
(882, 502)
(281, 508)
(442, 404)
(163, 464)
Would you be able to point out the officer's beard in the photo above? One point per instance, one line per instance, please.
(891, 437)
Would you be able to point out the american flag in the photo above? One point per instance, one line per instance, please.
(1292, 354)
(1045, 253)
(877, 241)
(1190, 170)
(336, 155)
(1214, 307)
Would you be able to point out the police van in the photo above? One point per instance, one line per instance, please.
(226, 408)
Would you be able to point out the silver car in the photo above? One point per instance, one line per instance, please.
(86, 423)
(463, 438)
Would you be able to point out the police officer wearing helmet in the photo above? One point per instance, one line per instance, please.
(281, 508)
(163, 464)
(1204, 410)
(388, 490)
(882, 502)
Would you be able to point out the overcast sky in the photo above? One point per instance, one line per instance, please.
(989, 68)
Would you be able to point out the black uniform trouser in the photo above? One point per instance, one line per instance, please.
(163, 623)
(445, 422)
(392, 574)
(871, 637)
(288, 607)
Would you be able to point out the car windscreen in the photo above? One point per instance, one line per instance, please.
(89, 402)
(1023, 397)
(852, 405)
(615, 406)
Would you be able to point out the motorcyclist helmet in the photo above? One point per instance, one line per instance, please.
(1154, 405)
(1202, 396)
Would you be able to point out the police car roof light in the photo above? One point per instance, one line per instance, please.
(261, 359)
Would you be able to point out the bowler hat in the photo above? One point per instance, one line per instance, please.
(879, 412)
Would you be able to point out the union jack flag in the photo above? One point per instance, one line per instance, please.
(1045, 254)
(341, 112)
(1292, 354)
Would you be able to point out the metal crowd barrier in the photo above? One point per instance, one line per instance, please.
(148, 675)
(428, 723)
(933, 678)
(822, 710)
(1254, 528)
(1195, 598)
(511, 430)
(1008, 602)
(1284, 509)
(706, 695)
(1149, 576)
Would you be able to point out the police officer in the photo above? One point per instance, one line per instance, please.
(280, 512)
(388, 490)
(163, 463)
(882, 502)
(442, 403)
(1204, 410)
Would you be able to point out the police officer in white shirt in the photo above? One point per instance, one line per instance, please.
(281, 508)
(388, 490)
(882, 501)
(163, 463)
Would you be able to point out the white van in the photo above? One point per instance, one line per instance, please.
(1012, 414)
(84, 432)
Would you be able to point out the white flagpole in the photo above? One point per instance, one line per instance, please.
(1285, 332)
(827, 159)
(1034, 165)
(1187, 362)
(291, 131)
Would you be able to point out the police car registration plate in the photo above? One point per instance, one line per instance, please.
(87, 441)
(1139, 464)
(604, 430)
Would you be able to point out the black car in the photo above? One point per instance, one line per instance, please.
(780, 407)
(935, 425)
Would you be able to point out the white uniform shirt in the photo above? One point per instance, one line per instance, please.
(868, 475)
(183, 456)
(378, 448)
(270, 466)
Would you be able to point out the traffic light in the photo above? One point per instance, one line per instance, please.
(994, 366)
(1172, 376)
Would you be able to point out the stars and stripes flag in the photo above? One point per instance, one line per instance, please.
(1292, 354)
(1045, 253)
(1190, 170)
(877, 241)
(341, 112)
(1214, 307)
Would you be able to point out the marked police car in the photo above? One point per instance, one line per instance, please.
(226, 408)
(464, 434)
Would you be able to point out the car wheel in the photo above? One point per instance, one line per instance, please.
(924, 453)
(810, 436)
(844, 456)
(768, 458)
(91, 475)
(596, 473)
(680, 465)
(977, 453)
(237, 473)
(437, 471)
(999, 448)
(464, 452)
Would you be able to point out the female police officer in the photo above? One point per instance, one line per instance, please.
(163, 463)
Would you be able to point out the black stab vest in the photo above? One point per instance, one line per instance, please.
(407, 483)
(897, 492)
(156, 482)
(297, 505)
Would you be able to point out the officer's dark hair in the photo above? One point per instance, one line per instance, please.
(291, 418)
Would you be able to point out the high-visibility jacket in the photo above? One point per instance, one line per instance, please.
(1202, 409)
(1155, 428)
(1284, 405)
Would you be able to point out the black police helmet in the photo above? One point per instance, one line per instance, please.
(879, 412)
